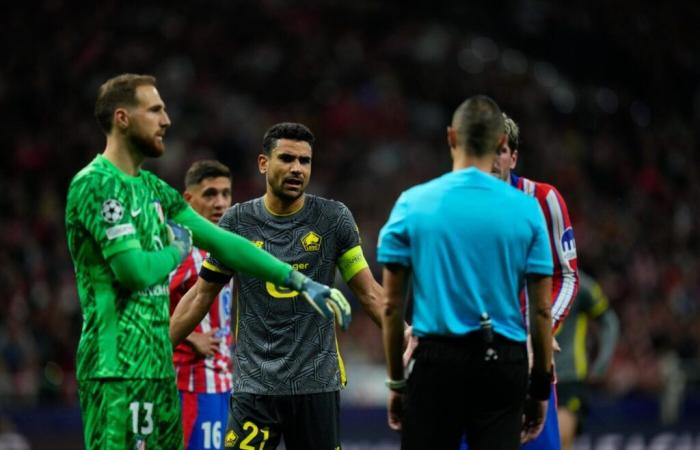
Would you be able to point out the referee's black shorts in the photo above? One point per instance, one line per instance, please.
(306, 421)
(453, 390)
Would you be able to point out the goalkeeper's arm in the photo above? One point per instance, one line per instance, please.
(237, 253)
(136, 269)
(241, 255)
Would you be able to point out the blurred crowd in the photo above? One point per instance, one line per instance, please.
(608, 110)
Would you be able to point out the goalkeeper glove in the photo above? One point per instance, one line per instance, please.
(180, 237)
(328, 302)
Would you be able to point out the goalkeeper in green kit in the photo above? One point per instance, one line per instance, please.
(127, 230)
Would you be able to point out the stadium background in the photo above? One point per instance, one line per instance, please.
(607, 94)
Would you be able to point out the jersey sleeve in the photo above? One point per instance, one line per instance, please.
(212, 269)
(103, 206)
(179, 280)
(394, 243)
(351, 260)
(539, 257)
(565, 282)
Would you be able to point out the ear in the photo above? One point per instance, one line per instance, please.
(513, 159)
(121, 118)
(187, 195)
(451, 137)
(262, 163)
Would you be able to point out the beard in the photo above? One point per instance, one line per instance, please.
(149, 146)
(286, 195)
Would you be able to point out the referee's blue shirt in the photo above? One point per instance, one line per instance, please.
(469, 239)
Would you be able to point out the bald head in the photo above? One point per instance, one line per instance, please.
(479, 126)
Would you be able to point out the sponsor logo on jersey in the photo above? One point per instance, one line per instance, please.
(159, 210)
(230, 440)
(155, 291)
(120, 230)
(225, 299)
(112, 211)
(259, 244)
(568, 244)
(311, 242)
(280, 291)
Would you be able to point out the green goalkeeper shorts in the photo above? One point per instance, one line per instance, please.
(121, 414)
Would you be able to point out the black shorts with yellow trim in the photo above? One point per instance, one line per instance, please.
(304, 421)
(573, 395)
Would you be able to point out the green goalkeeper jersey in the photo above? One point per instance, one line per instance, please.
(125, 333)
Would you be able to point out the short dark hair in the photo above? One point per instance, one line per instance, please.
(286, 130)
(207, 168)
(513, 132)
(116, 92)
(479, 124)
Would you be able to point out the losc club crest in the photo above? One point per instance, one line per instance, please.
(311, 242)
(230, 439)
(112, 211)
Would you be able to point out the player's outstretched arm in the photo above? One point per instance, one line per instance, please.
(236, 252)
(136, 269)
(192, 308)
(241, 255)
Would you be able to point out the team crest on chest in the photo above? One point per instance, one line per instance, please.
(311, 242)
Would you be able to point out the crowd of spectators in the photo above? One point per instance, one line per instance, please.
(608, 114)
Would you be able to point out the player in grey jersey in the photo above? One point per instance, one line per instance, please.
(288, 368)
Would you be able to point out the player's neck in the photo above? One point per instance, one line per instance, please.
(282, 207)
(461, 160)
(123, 156)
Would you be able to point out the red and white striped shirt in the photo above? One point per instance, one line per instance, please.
(194, 372)
(561, 238)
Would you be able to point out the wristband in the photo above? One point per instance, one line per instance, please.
(540, 384)
(396, 385)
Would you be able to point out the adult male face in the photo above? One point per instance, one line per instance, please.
(505, 161)
(145, 123)
(211, 197)
(287, 169)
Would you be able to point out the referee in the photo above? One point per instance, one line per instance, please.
(455, 239)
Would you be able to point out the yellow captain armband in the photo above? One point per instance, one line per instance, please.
(351, 262)
(214, 268)
(213, 273)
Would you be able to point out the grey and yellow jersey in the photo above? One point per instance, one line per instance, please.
(284, 346)
(575, 362)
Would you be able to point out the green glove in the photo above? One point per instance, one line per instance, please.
(180, 237)
(328, 302)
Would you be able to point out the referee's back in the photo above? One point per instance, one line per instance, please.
(472, 240)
